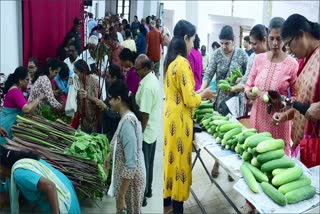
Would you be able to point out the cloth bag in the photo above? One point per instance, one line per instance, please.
(310, 151)
(71, 104)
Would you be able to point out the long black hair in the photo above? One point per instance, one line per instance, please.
(296, 23)
(259, 32)
(127, 54)
(120, 89)
(177, 45)
(82, 67)
(20, 73)
(9, 157)
(52, 63)
(196, 42)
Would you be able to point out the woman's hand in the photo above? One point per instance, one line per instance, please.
(251, 96)
(208, 94)
(121, 203)
(3, 132)
(102, 106)
(107, 163)
(313, 112)
(279, 117)
(83, 94)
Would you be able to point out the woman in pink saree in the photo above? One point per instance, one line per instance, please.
(272, 70)
(302, 37)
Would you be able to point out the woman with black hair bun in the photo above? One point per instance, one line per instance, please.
(14, 101)
(38, 182)
(129, 176)
(128, 59)
(302, 38)
(42, 84)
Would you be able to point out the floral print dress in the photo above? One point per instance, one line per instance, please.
(219, 65)
(180, 101)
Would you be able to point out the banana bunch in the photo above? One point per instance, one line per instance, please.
(225, 85)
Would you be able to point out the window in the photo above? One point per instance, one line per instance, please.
(123, 6)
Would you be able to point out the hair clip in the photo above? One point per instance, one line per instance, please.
(129, 93)
(8, 154)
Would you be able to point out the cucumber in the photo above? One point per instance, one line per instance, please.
(203, 111)
(227, 147)
(264, 134)
(232, 133)
(269, 145)
(278, 163)
(256, 140)
(277, 171)
(205, 105)
(249, 178)
(274, 194)
(287, 176)
(249, 132)
(219, 117)
(229, 126)
(218, 140)
(232, 147)
(300, 194)
(246, 156)
(257, 173)
(254, 152)
(271, 155)
(237, 149)
(254, 162)
(220, 122)
(241, 139)
(285, 188)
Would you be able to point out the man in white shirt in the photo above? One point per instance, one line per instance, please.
(148, 100)
(73, 56)
(92, 63)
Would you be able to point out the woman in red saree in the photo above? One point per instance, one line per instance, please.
(302, 37)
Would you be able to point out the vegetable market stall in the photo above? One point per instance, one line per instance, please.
(238, 150)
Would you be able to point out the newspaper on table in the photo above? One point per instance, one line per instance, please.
(264, 203)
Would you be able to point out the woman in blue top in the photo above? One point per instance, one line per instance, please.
(141, 41)
(38, 182)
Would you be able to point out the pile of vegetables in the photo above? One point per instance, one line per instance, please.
(205, 108)
(48, 113)
(226, 85)
(78, 155)
(264, 160)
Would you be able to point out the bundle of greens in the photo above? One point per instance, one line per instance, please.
(48, 113)
(78, 155)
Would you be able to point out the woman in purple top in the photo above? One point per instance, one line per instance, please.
(14, 101)
(195, 60)
(128, 58)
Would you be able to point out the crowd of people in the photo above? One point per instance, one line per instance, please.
(117, 93)
(282, 57)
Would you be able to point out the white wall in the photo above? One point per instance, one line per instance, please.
(11, 36)
(97, 9)
(309, 9)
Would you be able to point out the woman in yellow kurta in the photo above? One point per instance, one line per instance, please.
(180, 101)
